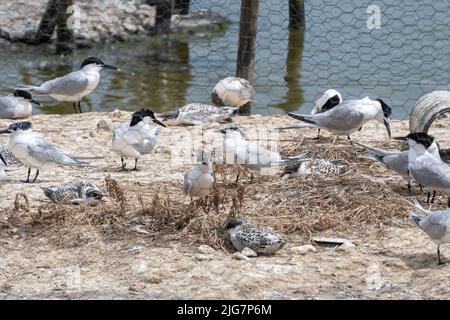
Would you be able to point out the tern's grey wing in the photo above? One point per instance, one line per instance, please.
(433, 173)
(397, 162)
(45, 151)
(70, 85)
(187, 183)
(343, 117)
(436, 225)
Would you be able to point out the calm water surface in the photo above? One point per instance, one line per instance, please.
(404, 59)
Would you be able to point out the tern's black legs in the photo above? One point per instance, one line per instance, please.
(135, 164)
(123, 167)
(35, 177)
(75, 105)
(28, 177)
(432, 198)
(409, 187)
(123, 164)
(439, 256)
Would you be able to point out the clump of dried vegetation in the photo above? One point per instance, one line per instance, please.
(296, 207)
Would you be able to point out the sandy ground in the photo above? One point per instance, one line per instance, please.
(393, 261)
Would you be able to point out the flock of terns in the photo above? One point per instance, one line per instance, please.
(138, 137)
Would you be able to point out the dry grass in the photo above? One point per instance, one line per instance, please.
(349, 203)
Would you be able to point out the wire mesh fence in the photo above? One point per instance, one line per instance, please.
(173, 52)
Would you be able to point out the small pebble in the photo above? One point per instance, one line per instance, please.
(346, 246)
(249, 252)
(239, 256)
(303, 249)
(205, 249)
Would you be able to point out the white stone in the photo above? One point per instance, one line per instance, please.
(303, 249)
(346, 246)
(239, 256)
(205, 249)
(249, 252)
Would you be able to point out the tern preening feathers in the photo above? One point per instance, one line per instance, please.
(35, 151)
(237, 150)
(427, 169)
(136, 139)
(232, 91)
(436, 224)
(198, 113)
(17, 106)
(330, 99)
(349, 116)
(199, 180)
(246, 235)
(73, 86)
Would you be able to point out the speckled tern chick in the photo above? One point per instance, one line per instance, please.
(243, 234)
(198, 113)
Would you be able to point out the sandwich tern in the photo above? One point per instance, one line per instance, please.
(199, 180)
(317, 166)
(232, 91)
(77, 193)
(397, 160)
(436, 224)
(330, 99)
(35, 151)
(240, 151)
(427, 169)
(349, 116)
(136, 139)
(198, 113)
(17, 106)
(75, 85)
(246, 235)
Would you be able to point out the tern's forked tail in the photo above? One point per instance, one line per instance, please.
(33, 90)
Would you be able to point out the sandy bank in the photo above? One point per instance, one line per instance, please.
(81, 258)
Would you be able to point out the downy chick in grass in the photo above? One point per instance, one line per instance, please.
(321, 167)
(246, 235)
(76, 194)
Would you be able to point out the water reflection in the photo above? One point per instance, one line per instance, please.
(294, 96)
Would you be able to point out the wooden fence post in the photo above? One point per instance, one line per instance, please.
(182, 6)
(64, 35)
(47, 24)
(296, 13)
(247, 39)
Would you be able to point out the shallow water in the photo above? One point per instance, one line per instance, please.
(404, 59)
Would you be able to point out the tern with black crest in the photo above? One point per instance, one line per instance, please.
(427, 169)
(35, 151)
(349, 116)
(136, 138)
(73, 86)
(17, 106)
